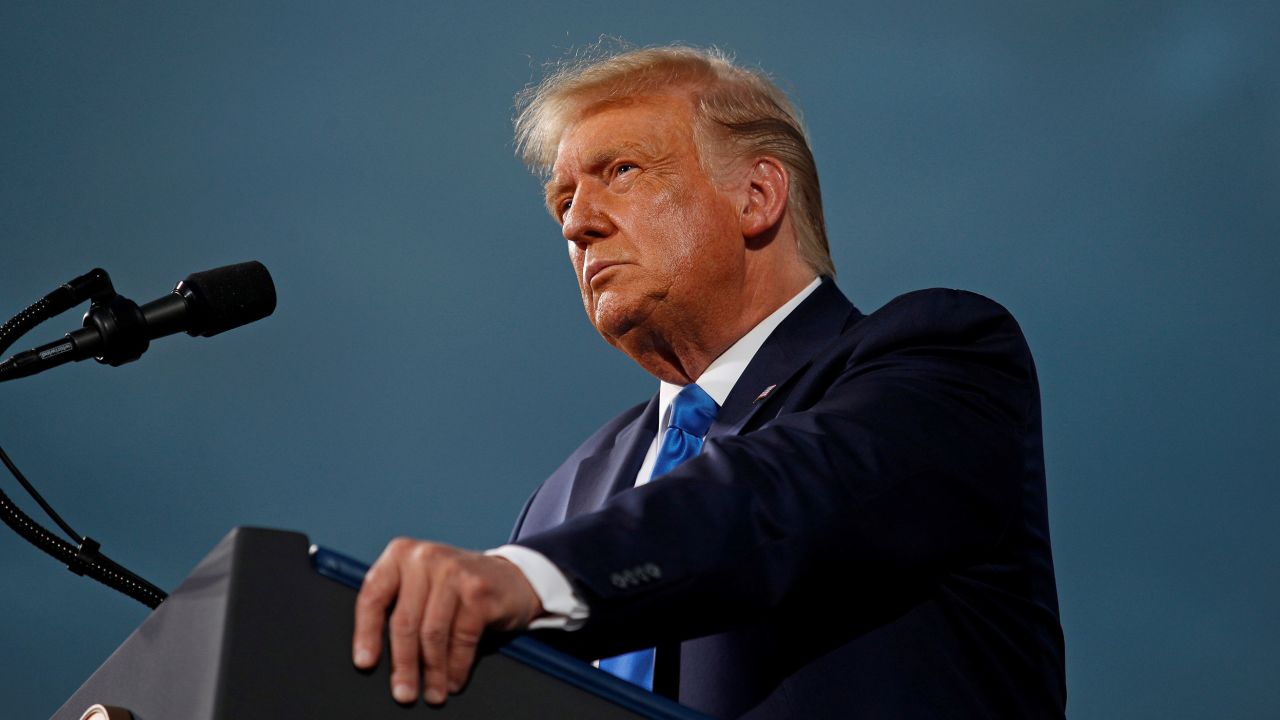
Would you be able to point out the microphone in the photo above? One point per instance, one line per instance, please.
(116, 330)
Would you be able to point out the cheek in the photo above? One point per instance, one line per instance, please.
(701, 236)
(677, 225)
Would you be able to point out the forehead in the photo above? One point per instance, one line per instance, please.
(657, 124)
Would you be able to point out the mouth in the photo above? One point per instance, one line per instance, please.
(594, 268)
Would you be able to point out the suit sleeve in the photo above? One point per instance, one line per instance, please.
(896, 458)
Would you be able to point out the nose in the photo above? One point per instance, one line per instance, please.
(587, 218)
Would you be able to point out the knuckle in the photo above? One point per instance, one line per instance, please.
(375, 580)
(475, 589)
(465, 638)
(424, 552)
(402, 624)
(371, 597)
(434, 635)
(399, 546)
(452, 567)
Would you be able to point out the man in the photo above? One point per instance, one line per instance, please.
(861, 531)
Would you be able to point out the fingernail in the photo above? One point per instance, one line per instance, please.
(404, 693)
(454, 687)
(363, 658)
(434, 696)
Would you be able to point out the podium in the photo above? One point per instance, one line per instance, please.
(255, 632)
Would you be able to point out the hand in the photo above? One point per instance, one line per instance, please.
(444, 599)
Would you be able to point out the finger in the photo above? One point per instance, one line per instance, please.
(376, 595)
(437, 626)
(403, 631)
(467, 628)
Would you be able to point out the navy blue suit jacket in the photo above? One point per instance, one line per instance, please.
(869, 540)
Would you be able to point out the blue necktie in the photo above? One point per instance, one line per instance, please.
(692, 413)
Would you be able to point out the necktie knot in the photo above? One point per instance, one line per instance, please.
(693, 411)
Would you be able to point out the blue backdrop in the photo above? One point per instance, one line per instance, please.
(1109, 171)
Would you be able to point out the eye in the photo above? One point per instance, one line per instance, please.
(624, 167)
(562, 209)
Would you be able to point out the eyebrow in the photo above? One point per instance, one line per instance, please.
(595, 162)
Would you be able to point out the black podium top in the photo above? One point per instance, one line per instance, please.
(255, 632)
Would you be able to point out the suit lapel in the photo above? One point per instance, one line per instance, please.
(613, 469)
(812, 326)
(815, 324)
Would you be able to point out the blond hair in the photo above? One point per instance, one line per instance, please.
(736, 108)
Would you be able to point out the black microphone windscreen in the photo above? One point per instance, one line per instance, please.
(228, 297)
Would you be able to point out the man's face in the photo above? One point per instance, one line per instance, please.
(656, 245)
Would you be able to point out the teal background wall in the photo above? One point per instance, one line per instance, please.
(1108, 171)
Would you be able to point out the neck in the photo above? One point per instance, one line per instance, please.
(680, 353)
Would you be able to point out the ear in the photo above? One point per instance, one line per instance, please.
(766, 197)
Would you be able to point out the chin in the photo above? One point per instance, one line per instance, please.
(614, 316)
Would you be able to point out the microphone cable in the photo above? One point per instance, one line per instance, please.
(82, 558)
(34, 314)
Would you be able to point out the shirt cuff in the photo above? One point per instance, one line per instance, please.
(564, 609)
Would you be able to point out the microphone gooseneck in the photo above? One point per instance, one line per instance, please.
(117, 330)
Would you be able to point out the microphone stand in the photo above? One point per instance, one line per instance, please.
(84, 557)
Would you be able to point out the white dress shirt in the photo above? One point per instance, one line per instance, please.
(565, 610)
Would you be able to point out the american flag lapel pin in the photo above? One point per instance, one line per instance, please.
(764, 394)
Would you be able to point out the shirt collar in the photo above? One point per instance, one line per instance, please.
(723, 372)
